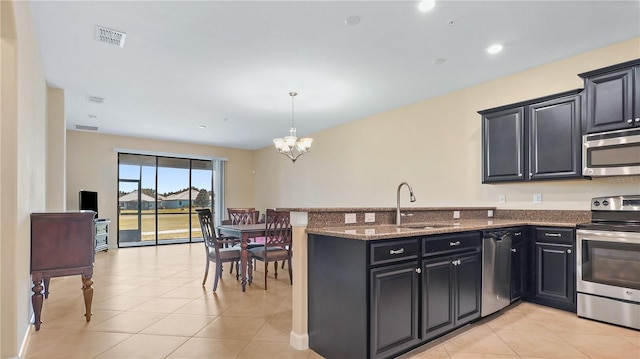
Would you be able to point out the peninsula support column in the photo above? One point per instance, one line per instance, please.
(299, 337)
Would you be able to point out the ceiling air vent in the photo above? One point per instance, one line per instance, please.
(95, 99)
(110, 36)
(86, 128)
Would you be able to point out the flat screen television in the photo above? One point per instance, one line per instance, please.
(89, 201)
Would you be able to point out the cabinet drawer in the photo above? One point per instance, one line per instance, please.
(554, 235)
(435, 245)
(387, 252)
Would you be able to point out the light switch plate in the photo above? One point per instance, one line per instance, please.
(502, 199)
(349, 218)
(490, 213)
(369, 217)
(456, 214)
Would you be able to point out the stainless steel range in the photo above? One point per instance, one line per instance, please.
(608, 272)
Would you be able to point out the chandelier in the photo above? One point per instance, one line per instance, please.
(291, 146)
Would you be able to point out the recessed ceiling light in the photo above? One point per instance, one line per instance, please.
(439, 61)
(426, 5)
(202, 127)
(92, 117)
(352, 20)
(494, 49)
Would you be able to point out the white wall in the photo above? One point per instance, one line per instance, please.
(435, 145)
(22, 175)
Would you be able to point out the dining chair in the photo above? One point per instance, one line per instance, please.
(214, 247)
(242, 216)
(276, 246)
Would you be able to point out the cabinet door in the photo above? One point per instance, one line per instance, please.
(555, 275)
(609, 99)
(555, 138)
(394, 308)
(518, 269)
(437, 297)
(468, 282)
(503, 145)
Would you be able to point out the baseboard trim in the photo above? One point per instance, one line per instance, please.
(299, 341)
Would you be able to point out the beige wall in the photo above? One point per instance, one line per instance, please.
(56, 150)
(92, 165)
(435, 145)
(22, 174)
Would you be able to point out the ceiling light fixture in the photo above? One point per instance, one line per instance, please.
(290, 146)
(494, 49)
(426, 5)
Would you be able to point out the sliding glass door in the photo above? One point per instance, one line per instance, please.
(159, 195)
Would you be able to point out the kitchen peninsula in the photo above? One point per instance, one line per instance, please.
(371, 287)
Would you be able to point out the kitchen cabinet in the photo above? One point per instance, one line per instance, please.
(612, 97)
(366, 297)
(451, 282)
(519, 264)
(533, 140)
(555, 268)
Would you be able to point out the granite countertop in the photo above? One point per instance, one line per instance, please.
(387, 231)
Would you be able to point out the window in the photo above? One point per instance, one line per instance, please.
(158, 197)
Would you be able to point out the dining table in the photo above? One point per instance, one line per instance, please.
(245, 232)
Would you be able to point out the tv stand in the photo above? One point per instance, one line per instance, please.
(102, 234)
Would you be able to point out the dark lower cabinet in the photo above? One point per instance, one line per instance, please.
(519, 268)
(555, 268)
(394, 309)
(450, 292)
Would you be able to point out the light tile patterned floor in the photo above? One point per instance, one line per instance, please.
(149, 303)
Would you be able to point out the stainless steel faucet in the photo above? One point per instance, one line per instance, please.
(412, 198)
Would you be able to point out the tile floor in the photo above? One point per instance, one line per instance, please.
(149, 303)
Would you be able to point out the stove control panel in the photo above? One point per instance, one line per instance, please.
(616, 203)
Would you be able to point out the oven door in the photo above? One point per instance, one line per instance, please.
(608, 264)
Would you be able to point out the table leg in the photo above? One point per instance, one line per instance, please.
(243, 259)
(36, 301)
(47, 281)
(87, 291)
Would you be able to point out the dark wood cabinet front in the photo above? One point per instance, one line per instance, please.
(534, 140)
(518, 269)
(555, 271)
(450, 292)
(612, 97)
(503, 145)
(555, 138)
(394, 308)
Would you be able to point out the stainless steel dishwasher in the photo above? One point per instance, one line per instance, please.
(496, 270)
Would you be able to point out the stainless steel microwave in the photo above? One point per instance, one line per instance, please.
(613, 153)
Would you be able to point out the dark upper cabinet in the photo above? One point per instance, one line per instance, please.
(533, 140)
(503, 145)
(612, 97)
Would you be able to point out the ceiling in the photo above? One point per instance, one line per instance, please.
(230, 65)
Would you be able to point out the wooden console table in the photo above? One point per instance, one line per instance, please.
(62, 244)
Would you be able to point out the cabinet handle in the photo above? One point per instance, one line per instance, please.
(453, 244)
(629, 121)
(569, 251)
(547, 234)
(514, 250)
(418, 270)
(637, 119)
(517, 234)
(456, 262)
(399, 251)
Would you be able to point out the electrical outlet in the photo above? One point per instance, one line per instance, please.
(490, 213)
(349, 218)
(502, 199)
(537, 198)
(369, 217)
(456, 214)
